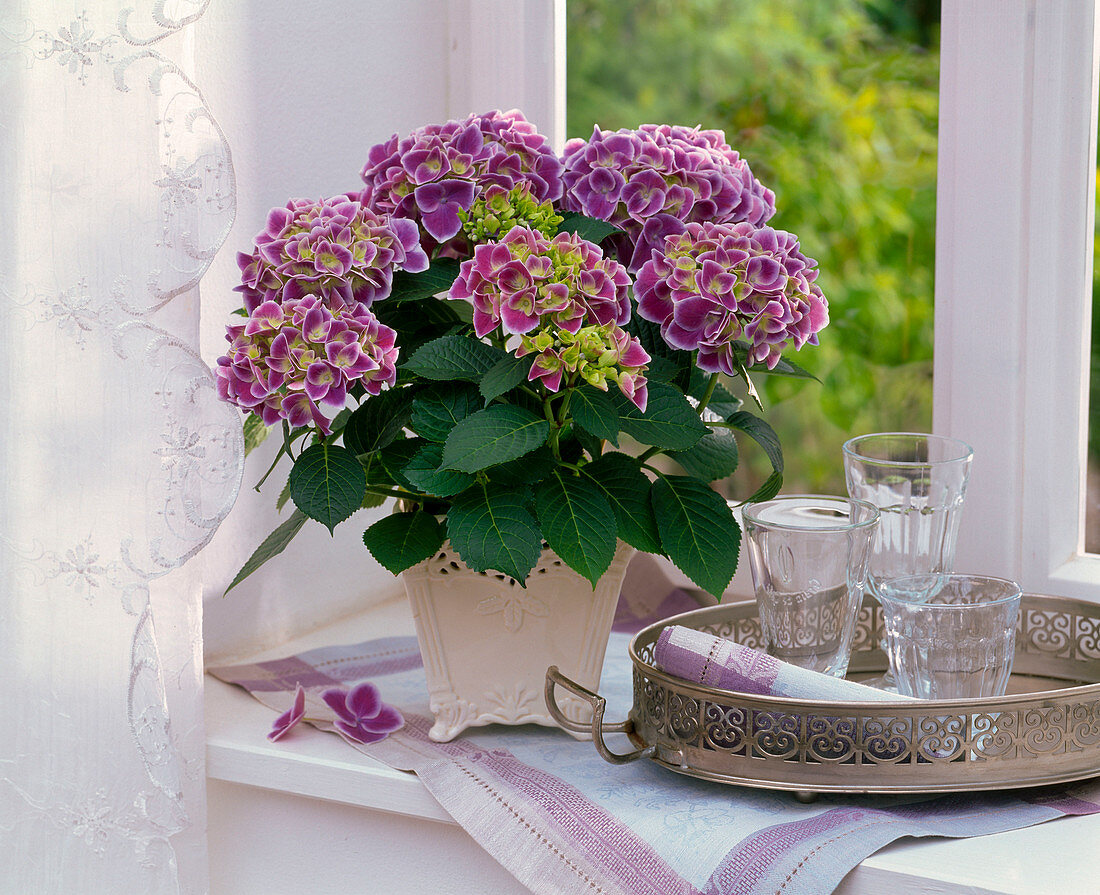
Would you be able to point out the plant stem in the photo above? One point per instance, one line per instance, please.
(564, 409)
(555, 430)
(708, 394)
(400, 495)
(271, 468)
(647, 454)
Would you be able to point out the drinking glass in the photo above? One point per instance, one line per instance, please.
(918, 482)
(808, 555)
(950, 636)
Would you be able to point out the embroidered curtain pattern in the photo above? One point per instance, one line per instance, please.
(119, 462)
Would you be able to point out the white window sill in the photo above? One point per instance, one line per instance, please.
(1060, 856)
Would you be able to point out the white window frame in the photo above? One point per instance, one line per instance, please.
(1014, 247)
(509, 55)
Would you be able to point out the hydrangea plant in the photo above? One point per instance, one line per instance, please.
(523, 350)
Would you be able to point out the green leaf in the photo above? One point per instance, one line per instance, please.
(424, 473)
(436, 410)
(454, 357)
(395, 457)
(662, 369)
(339, 422)
(401, 540)
(789, 368)
(525, 470)
(723, 409)
(419, 321)
(592, 229)
(750, 386)
(327, 484)
(783, 368)
(649, 334)
(763, 434)
(254, 433)
(504, 376)
(494, 435)
(274, 544)
(669, 421)
(283, 497)
(589, 443)
(627, 490)
(769, 489)
(698, 531)
(378, 420)
(491, 528)
(375, 469)
(437, 278)
(371, 500)
(595, 412)
(714, 456)
(578, 523)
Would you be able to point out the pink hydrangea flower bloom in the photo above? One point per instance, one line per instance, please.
(290, 717)
(438, 170)
(337, 249)
(652, 181)
(526, 281)
(717, 283)
(361, 715)
(289, 359)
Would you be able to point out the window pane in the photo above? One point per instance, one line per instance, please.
(834, 105)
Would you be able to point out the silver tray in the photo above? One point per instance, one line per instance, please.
(1046, 730)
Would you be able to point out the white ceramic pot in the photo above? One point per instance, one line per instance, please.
(487, 642)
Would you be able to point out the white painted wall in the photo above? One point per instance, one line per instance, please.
(302, 91)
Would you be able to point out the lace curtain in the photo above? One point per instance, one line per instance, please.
(116, 190)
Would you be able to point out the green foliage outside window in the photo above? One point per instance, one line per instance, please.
(834, 104)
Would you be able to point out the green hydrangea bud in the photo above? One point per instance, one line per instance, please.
(497, 210)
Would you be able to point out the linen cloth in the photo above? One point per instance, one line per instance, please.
(561, 820)
(714, 662)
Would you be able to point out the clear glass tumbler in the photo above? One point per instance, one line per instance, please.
(950, 636)
(918, 482)
(808, 555)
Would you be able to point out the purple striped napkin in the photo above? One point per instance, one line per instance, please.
(713, 662)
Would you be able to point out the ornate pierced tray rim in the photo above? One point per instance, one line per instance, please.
(1060, 642)
(762, 701)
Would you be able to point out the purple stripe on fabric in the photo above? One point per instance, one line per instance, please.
(813, 855)
(326, 666)
(274, 676)
(632, 613)
(387, 655)
(600, 836)
(714, 662)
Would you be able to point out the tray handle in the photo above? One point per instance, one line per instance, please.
(597, 728)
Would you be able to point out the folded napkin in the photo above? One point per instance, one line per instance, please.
(713, 662)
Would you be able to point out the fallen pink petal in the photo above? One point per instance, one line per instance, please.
(361, 715)
(289, 718)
